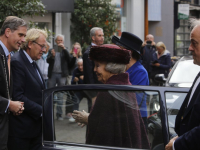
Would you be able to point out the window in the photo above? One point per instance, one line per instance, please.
(117, 119)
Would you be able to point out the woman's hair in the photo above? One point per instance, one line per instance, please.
(161, 44)
(80, 50)
(115, 68)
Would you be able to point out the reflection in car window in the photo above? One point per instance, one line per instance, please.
(114, 120)
(185, 72)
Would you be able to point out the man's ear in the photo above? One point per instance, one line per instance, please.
(30, 44)
(7, 32)
(93, 38)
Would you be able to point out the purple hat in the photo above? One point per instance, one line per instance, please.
(110, 53)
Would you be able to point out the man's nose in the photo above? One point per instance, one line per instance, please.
(190, 47)
(23, 39)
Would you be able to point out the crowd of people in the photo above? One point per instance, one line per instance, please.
(127, 61)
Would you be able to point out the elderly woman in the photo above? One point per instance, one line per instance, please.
(161, 61)
(115, 119)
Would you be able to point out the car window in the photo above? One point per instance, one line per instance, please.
(118, 118)
(174, 101)
(185, 72)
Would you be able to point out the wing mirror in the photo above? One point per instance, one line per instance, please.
(160, 78)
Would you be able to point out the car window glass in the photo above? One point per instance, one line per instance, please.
(174, 101)
(185, 72)
(129, 119)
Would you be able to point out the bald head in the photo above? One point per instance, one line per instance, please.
(150, 37)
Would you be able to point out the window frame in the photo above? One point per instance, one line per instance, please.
(49, 131)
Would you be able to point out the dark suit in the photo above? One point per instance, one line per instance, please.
(27, 87)
(4, 96)
(90, 76)
(187, 124)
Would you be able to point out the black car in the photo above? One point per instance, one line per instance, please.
(65, 135)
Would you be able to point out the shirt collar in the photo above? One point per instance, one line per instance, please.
(93, 44)
(29, 58)
(4, 49)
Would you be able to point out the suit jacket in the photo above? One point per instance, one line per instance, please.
(4, 96)
(90, 76)
(187, 124)
(27, 87)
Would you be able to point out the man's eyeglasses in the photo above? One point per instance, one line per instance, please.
(42, 46)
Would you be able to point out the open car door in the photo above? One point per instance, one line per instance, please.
(158, 107)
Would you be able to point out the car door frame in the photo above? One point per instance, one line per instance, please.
(48, 131)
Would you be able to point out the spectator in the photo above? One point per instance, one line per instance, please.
(59, 61)
(147, 51)
(161, 62)
(76, 48)
(25, 131)
(43, 65)
(109, 114)
(90, 77)
(12, 35)
(77, 78)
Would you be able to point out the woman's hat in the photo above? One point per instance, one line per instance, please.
(128, 41)
(110, 53)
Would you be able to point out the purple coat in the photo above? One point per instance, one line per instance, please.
(115, 119)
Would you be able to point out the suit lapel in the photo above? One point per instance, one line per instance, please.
(31, 69)
(193, 98)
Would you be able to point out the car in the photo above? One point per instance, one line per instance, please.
(182, 74)
(65, 135)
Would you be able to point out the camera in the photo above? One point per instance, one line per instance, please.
(148, 43)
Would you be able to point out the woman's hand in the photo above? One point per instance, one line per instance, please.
(156, 64)
(81, 117)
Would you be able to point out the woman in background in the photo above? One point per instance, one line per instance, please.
(161, 62)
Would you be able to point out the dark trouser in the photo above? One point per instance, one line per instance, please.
(15, 143)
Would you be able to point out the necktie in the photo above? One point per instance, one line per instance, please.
(9, 58)
(36, 70)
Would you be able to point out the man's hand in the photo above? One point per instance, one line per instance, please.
(144, 44)
(76, 79)
(53, 52)
(61, 45)
(169, 146)
(16, 107)
(81, 77)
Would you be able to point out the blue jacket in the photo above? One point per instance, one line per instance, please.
(165, 63)
(139, 76)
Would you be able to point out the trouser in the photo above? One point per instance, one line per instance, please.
(15, 143)
(57, 79)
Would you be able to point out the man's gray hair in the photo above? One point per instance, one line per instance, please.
(93, 30)
(194, 22)
(115, 68)
(59, 35)
(13, 23)
(79, 60)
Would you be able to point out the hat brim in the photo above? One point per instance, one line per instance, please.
(116, 41)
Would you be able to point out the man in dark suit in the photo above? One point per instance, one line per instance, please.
(25, 131)
(90, 77)
(12, 36)
(187, 124)
(97, 38)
